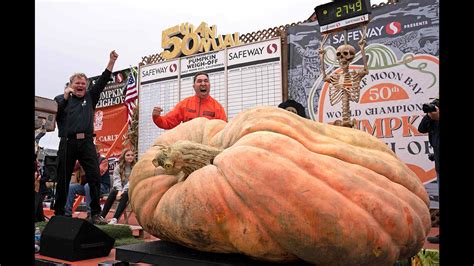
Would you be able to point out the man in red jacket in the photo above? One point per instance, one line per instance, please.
(201, 104)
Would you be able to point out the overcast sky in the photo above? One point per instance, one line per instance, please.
(78, 35)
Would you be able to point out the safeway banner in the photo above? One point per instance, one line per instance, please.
(403, 61)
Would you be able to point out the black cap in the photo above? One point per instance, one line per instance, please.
(291, 103)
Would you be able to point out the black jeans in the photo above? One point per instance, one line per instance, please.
(69, 151)
(110, 200)
(39, 215)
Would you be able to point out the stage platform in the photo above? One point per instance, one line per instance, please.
(146, 253)
(166, 253)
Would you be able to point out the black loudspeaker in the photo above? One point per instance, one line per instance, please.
(50, 168)
(74, 239)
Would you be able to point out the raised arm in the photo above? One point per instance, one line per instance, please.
(113, 58)
(168, 121)
(321, 57)
(362, 43)
(103, 79)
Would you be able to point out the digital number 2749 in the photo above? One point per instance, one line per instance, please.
(355, 7)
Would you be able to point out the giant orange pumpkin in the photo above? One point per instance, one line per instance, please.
(283, 188)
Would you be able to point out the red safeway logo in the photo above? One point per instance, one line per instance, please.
(393, 28)
(173, 67)
(272, 48)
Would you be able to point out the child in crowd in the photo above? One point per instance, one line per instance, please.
(120, 187)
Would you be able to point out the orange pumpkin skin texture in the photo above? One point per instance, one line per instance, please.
(285, 188)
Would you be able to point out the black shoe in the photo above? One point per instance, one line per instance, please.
(97, 219)
(433, 239)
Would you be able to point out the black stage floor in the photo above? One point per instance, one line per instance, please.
(166, 253)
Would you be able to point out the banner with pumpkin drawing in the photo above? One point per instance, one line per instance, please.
(403, 60)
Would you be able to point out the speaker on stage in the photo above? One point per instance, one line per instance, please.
(50, 168)
(74, 239)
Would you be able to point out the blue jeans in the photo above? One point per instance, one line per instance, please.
(78, 189)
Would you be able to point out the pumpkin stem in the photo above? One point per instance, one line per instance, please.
(184, 156)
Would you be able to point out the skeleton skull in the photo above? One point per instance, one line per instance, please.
(345, 54)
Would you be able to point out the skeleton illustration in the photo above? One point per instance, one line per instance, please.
(345, 86)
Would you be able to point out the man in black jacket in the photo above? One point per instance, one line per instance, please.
(75, 118)
(430, 124)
